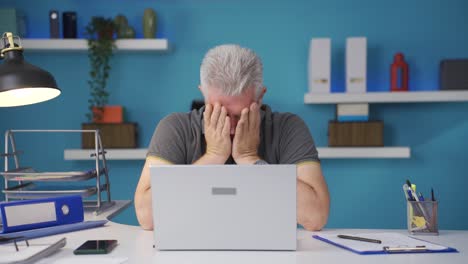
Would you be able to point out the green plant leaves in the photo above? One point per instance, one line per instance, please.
(101, 45)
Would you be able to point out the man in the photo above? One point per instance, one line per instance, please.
(234, 127)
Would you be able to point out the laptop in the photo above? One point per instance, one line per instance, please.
(224, 207)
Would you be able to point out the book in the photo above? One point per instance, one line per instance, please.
(28, 253)
(352, 112)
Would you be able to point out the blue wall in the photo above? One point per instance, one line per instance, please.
(365, 193)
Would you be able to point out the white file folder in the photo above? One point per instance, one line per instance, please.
(319, 65)
(356, 65)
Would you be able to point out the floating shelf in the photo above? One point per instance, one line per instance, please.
(364, 152)
(82, 45)
(111, 154)
(387, 97)
(324, 153)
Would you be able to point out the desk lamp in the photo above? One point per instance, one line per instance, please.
(20, 82)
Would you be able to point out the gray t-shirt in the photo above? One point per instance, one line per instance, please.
(284, 138)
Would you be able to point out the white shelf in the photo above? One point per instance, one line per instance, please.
(387, 97)
(82, 45)
(111, 154)
(363, 152)
(324, 153)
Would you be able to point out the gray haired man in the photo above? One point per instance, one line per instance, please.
(235, 128)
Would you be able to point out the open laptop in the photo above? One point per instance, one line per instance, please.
(224, 207)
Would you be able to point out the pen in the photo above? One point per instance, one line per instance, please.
(363, 239)
(421, 197)
(432, 194)
(408, 194)
(408, 183)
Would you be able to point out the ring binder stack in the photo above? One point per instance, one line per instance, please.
(26, 183)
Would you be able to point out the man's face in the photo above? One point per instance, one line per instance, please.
(233, 104)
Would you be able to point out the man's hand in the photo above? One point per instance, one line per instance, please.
(217, 133)
(247, 137)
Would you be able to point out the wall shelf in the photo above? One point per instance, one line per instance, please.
(111, 154)
(82, 45)
(364, 152)
(324, 153)
(387, 97)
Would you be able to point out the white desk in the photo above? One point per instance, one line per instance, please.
(137, 245)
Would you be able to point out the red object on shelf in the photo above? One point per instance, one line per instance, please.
(399, 74)
(108, 114)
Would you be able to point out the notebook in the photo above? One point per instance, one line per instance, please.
(391, 243)
(29, 253)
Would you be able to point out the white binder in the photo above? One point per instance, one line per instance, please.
(319, 65)
(356, 65)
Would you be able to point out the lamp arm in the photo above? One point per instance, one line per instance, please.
(9, 39)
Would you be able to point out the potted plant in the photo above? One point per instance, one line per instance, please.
(101, 45)
(108, 119)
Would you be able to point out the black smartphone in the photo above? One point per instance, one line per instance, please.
(95, 247)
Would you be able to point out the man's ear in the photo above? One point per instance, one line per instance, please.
(260, 96)
(201, 90)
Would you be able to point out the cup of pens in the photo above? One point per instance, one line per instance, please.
(421, 213)
(422, 217)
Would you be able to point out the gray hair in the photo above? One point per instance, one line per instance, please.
(232, 69)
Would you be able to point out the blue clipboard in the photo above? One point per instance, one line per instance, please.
(384, 249)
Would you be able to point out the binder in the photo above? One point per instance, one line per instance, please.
(391, 244)
(320, 65)
(30, 214)
(356, 65)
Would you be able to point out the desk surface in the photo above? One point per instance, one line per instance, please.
(137, 245)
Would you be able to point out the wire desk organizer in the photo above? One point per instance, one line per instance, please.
(24, 178)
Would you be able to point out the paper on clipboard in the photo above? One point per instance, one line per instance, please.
(391, 240)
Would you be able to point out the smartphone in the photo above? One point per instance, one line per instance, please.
(95, 247)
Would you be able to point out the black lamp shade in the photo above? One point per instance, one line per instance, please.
(22, 83)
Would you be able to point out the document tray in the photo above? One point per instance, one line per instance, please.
(32, 175)
(31, 191)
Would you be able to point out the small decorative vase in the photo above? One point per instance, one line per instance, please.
(120, 22)
(149, 23)
(122, 27)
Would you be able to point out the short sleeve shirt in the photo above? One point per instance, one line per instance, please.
(284, 138)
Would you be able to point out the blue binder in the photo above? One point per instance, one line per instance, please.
(38, 213)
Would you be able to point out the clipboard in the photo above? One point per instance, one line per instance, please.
(392, 243)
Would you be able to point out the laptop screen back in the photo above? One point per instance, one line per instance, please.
(224, 207)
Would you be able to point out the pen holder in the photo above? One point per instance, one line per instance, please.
(422, 217)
